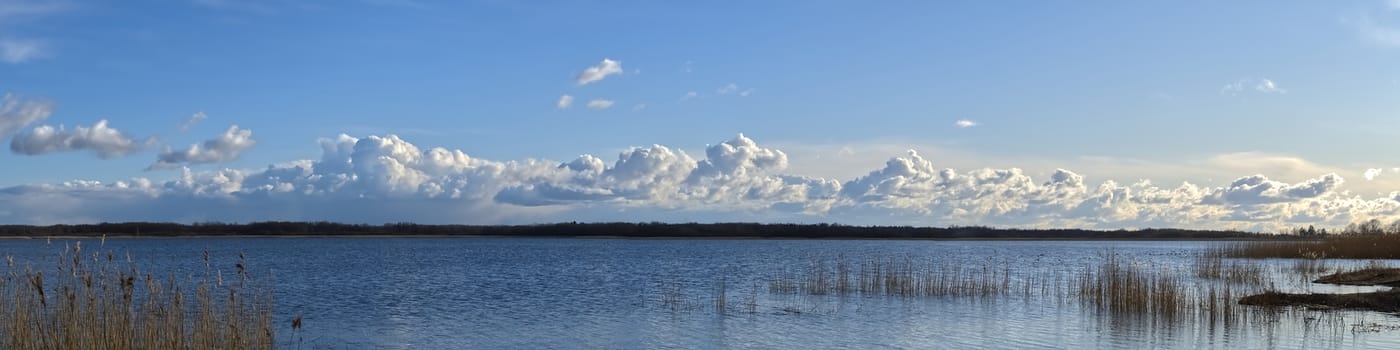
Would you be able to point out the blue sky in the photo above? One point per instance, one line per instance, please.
(1241, 114)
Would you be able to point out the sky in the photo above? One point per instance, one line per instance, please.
(1253, 115)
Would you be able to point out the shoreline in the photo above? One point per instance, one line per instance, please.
(626, 237)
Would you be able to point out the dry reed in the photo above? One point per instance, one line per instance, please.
(903, 277)
(96, 302)
(1216, 267)
(1331, 247)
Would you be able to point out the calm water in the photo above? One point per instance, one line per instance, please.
(428, 293)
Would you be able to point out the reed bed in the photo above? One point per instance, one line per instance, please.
(1310, 267)
(1216, 267)
(95, 301)
(1384, 246)
(904, 277)
(1123, 287)
(1203, 293)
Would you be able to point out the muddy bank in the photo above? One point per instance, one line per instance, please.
(1366, 277)
(1386, 301)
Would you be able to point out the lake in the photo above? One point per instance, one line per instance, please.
(448, 293)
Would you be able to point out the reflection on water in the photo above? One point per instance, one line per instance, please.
(601, 293)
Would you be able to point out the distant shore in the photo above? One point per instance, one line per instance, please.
(605, 231)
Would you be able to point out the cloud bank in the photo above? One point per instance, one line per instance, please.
(388, 179)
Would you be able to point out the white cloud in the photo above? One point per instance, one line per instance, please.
(16, 113)
(1372, 173)
(564, 102)
(638, 107)
(964, 123)
(1267, 86)
(1264, 86)
(733, 89)
(225, 148)
(388, 179)
(600, 71)
(102, 140)
(600, 104)
(20, 51)
(727, 89)
(689, 95)
(192, 120)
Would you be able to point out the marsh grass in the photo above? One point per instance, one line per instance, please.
(1332, 247)
(1125, 287)
(1120, 288)
(1202, 292)
(894, 276)
(1216, 267)
(1310, 267)
(95, 301)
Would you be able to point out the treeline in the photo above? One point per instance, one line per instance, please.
(618, 229)
(1372, 227)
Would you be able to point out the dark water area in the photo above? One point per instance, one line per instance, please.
(449, 293)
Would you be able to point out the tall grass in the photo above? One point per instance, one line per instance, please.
(1216, 267)
(895, 277)
(1331, 247)
(1122, 287)
(96, 301)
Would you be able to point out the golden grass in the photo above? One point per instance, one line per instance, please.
(1331, 247)
(96, 302)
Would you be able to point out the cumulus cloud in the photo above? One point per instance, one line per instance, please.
(1372, 173)
(100, 139)
(964, 123)
(600, 104)
(600, 71)
(225, 148)
(564, 102)
(192, 120)
(16, 113)
(386, 179)
(20, 50)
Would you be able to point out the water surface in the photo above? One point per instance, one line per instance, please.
(421, 293)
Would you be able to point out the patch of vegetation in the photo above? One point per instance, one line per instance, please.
(96, 301)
